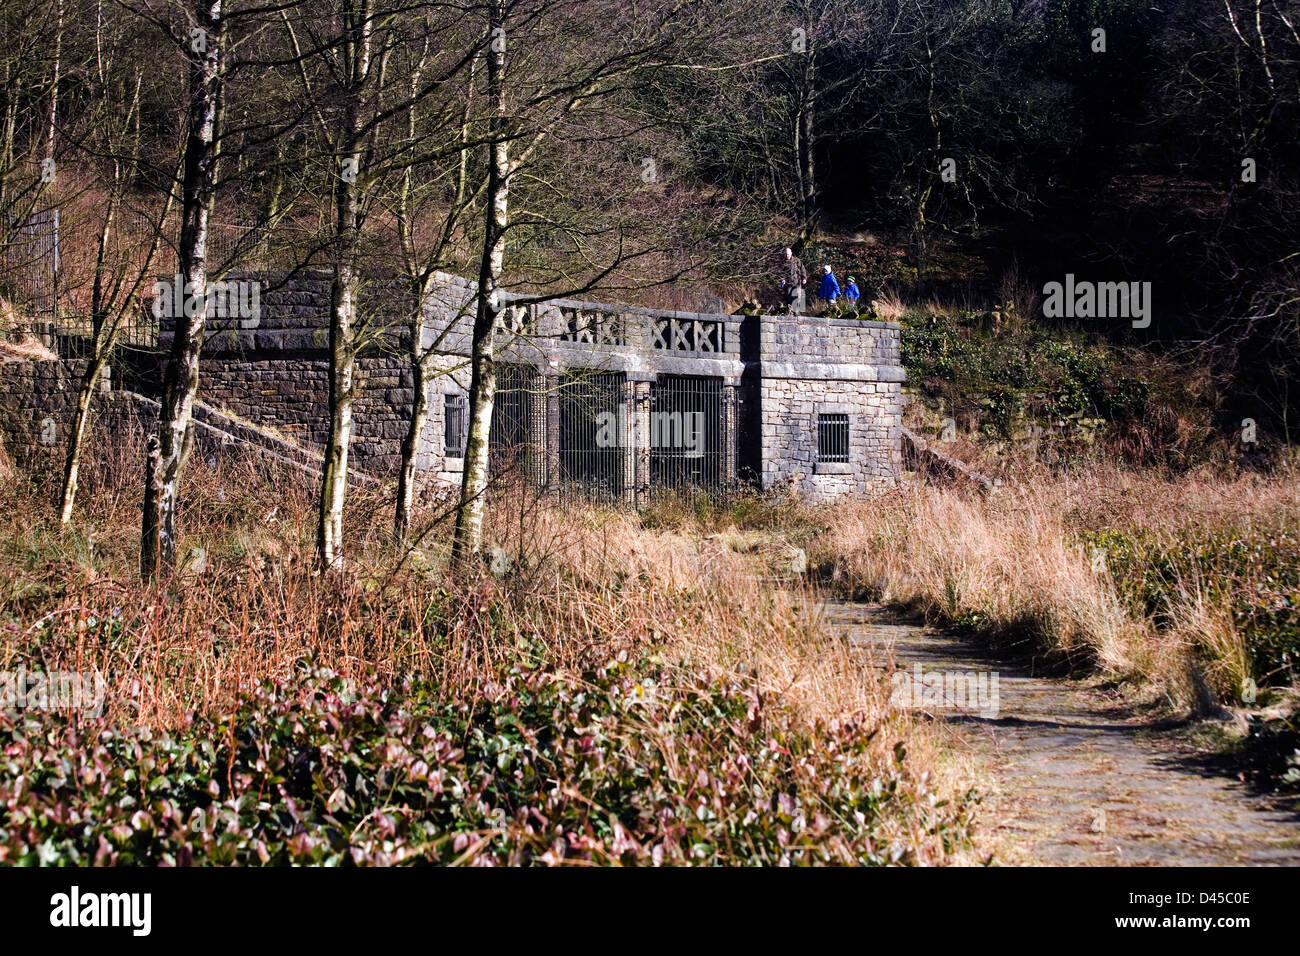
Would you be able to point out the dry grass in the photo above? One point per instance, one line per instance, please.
(16, 342)
(25, 348)
(584, 585)
(889, 307)
(1006, 562)
(1011, 566)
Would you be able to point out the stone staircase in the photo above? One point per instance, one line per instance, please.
(938, 463)
(215, 429)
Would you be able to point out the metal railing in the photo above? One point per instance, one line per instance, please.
(686, 433)
(833, 438)
(29, 262)
(591, 452)
(455, 423)
(509, 444)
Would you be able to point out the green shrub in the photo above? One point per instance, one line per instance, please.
(1257, 571)
(1272, 754)
(630, 764)
(992, 376)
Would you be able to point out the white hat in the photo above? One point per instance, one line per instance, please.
(826, 268)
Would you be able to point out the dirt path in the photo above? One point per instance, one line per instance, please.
(1078, 778)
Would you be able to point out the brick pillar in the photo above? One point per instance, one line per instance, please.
(551, 404)
(730, 434)
(538, 463)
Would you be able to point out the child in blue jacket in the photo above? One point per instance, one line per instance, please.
(830, 289)
(851, 291)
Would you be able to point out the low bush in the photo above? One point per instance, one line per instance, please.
(1272, 754)
(1253, 572)
(631, 763)
(998, 381)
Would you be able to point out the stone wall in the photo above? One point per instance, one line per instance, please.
(810, 366)
(38, 405)
(274, 371)
(38, 402)
(777, 374)
(563, 335)
(290, 396)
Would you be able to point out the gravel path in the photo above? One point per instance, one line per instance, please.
(1079, 778)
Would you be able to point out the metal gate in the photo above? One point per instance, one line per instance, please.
(508, 438)
(29, 262)
(686, 431)
(592, 425)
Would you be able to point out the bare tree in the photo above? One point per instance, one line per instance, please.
(121, 272)
(373, 127)
(563, 100)
(181, 382)
(482, 390)
(420, 264)
(357, 69)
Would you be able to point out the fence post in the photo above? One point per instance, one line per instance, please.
(54, 278)
(639, 413)
(551, 406)
(538, 388)
(729, 438)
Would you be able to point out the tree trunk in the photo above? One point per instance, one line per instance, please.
(72, 464)
(343, 297)
(415, 428)
(805, 132)
(54, 82)
(106, 314)
(334, 477)
(149, 509)
(419, 358)
(182, 379)
(12, 91)
(930, 172)
(468, 537)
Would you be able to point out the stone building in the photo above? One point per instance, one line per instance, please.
(625, 400)
(602, 400)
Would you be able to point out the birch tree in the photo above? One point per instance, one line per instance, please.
(543, 95)
(181, 381)
(356, 67)
(420, 263)
(482, 390)
(382, 128)
(29, 30)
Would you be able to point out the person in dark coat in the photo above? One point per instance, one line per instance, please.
(793, 278)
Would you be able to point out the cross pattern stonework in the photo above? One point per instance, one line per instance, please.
(687, 335)
(515, 319)
(577, 327)
(592, 327)
(708, 336)
(610, 329)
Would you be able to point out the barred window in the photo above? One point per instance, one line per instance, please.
(455, 422)
(833, 438)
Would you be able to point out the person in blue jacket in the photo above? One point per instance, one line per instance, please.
(851, 291)
(830, 290)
